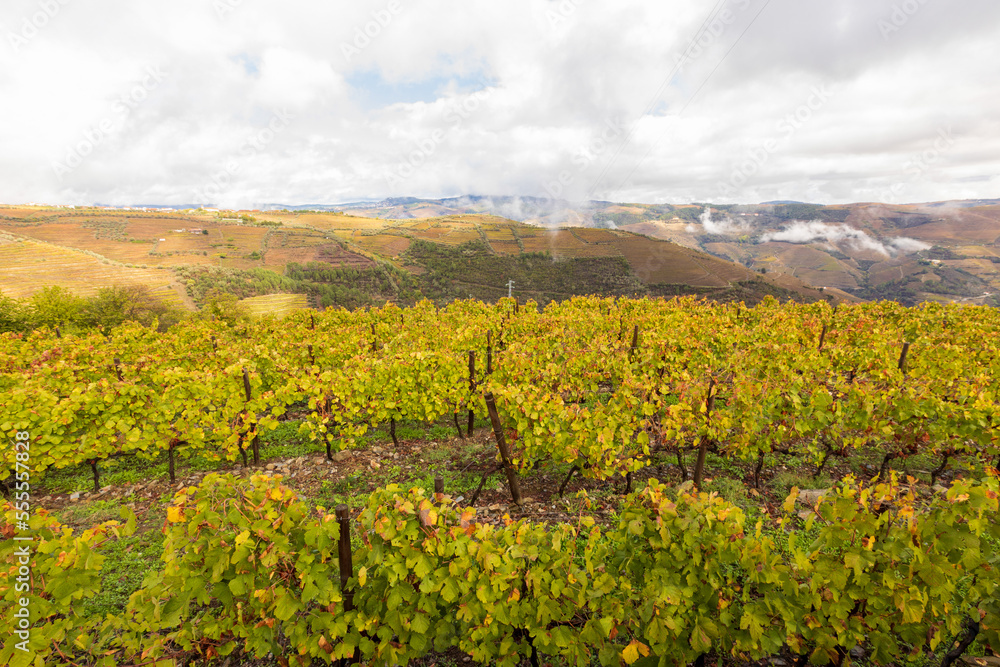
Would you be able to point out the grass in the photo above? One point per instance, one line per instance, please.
(783, 482)
(282, 443)
(89, 514)
(277, 305)
(29, 265)
(127, 561)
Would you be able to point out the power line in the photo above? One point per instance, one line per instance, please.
(695, 95)
(657, 95)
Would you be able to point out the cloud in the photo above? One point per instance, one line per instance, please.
(727, 225)
(556, 81)
(814, 231)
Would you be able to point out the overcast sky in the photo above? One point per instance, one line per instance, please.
(244, 102)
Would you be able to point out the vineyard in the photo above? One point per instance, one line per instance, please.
(601, 393)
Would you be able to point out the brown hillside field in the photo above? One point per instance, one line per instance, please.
(590, 235)
(563, 244)
(390, 245)
(133, 237)
(30, 265)
(458, 236)
(499, 233)
(811, 265)
(505, 247)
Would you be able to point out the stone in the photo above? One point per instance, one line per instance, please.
(811, 496)
(74, 496)
(805, 514)
(375, 465)
(937, 488)
(493, 508)
(857, 653)
(779, 662)
(270, 466)
(342, 455)
(980, 661)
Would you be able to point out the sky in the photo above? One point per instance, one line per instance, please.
(244, 103)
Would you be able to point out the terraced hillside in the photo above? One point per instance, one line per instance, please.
(941, 251)
(29, 265)
(329, 258)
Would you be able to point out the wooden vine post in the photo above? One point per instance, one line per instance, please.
(699, 468)
(170, 459)
(438, 489)
(889, 456)
(472, 388)
(515, 488)
(255, 442)
(97, 474)
(330, 421)
(635, 342)
(489, 352)
(902, 358)
(346, 562)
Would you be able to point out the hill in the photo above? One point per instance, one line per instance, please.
(939, 251)
(337, 259)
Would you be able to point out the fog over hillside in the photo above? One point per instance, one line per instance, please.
(813, 231)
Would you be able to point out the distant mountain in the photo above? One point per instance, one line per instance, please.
(935, 251)
(336, 259)
(940, 251)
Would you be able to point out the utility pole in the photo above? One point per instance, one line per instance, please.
(510, 286)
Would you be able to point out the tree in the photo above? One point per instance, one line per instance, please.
(53, 306)
(122, 303)
(14, 315)
(223, 306)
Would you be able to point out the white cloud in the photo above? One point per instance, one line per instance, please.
(555, 84)
(294, 79)
(815, 231)
(727, 225)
